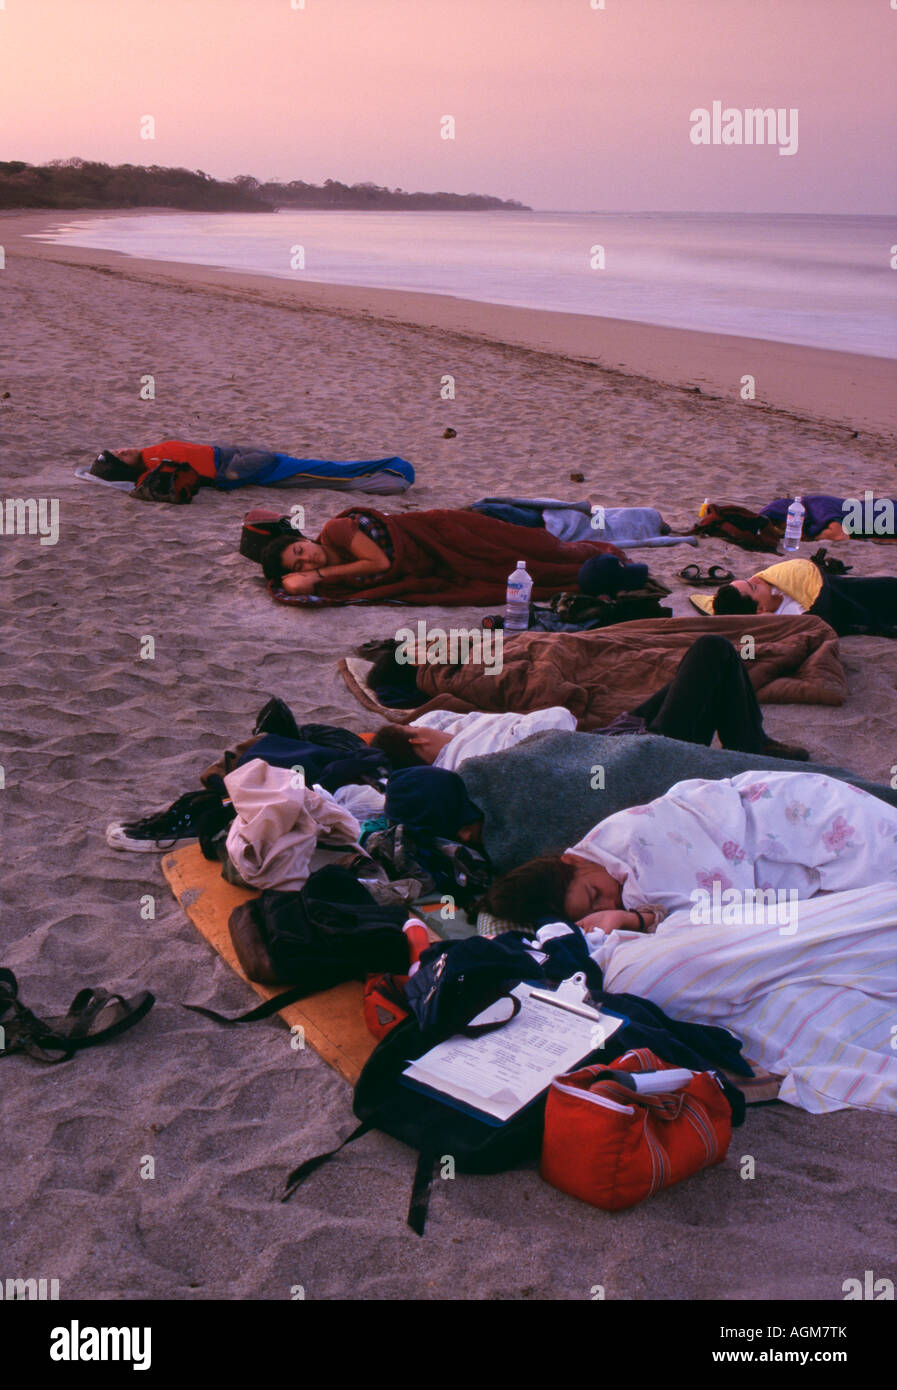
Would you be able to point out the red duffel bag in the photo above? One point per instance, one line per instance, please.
(612, 1147)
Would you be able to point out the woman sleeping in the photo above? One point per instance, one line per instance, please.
(707, 850)
(448, 557)
(771, 899)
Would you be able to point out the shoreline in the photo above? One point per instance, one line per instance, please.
(841, 389)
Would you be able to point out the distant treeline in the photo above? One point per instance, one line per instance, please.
(334, 194)
(82, 183)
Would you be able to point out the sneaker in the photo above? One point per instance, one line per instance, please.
(276, 717)
(162, 830)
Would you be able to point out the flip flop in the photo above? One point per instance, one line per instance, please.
(714, 577)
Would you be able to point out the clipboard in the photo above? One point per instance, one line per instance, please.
(497, 1075)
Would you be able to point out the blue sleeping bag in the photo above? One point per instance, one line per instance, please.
(239, 467)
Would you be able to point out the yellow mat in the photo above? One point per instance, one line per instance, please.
(332, 1021)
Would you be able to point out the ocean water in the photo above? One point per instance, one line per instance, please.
(824, 281)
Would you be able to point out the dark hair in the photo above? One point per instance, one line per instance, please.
(109, 466)
(535, 890)
(395, 682)
(395, 741)
(728, 599)
(271, 558)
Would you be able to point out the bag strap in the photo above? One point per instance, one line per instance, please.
(263, 1010)
(298, 1175)
(419, 1204)
(479, 1030)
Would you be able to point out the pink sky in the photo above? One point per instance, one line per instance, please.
(555, 103)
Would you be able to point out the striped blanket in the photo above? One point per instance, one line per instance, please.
(816, 1007)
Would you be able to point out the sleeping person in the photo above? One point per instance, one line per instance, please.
(444, 739)
(442, 556)
(830, 518)
(849, 604)
(794, 832)
(230, 466)
(350, 549)
(711, 694)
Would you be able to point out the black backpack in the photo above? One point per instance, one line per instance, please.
(438, 1130)
(261, 526)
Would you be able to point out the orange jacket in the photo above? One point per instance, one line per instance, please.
(201, 457)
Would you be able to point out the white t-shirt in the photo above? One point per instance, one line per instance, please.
(787, 605)
(476, 734)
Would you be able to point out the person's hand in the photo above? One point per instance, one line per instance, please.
(427, 743)
(610, 919)
(301, 583)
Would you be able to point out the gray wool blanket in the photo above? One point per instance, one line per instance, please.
(546, 793)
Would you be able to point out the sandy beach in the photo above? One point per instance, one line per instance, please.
(91, 732)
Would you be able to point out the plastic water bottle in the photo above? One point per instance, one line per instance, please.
(520, 587)
(794, 526)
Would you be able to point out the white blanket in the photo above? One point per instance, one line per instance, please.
(817, 1006)
(709, 846)
(809, 984)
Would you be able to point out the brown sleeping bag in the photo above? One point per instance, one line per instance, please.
(598, 675)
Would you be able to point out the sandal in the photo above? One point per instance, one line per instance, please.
(714, 577)
(40, 1039)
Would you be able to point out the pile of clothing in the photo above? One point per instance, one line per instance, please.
(671, 1080)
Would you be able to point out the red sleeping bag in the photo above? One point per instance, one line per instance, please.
(462, 557)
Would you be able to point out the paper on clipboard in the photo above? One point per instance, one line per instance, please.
(501, 1072)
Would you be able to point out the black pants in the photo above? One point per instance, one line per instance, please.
(710, 693)
(855, 604)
